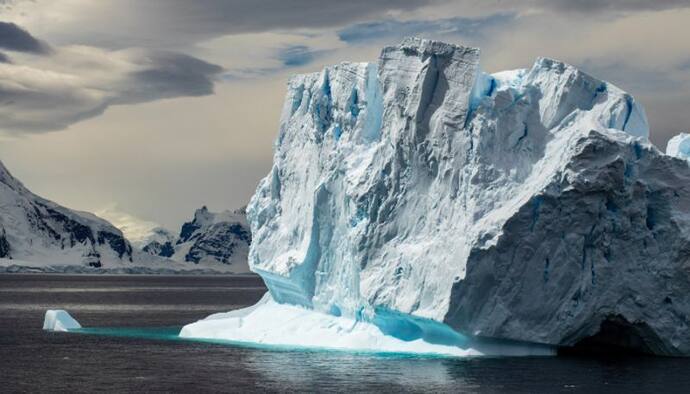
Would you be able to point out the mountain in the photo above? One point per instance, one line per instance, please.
(160, 242)
(35, 229)
(210, 237)
(435, 201)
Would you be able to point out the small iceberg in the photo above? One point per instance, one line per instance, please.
(59, 320)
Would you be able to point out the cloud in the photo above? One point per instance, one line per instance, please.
(73, 83)
(297, 55)
(184, 23)
(4, 58)
(14, 38)
(391, 28)
(616, 6)
(135, 229)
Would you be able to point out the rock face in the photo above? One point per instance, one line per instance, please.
(222, 237)
(160, 243)
(35, 229)
(524, 205)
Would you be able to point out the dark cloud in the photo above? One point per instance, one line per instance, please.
(395, 29)
(14, 38)
(44, 97)
(4, 58)
(170, 74)
(298, 55)
(180, 23)
(596, 6)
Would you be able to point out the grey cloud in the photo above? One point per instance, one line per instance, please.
(51, 95)
(4, 58)
(594, 6)
(180, 23)
(172, 74)
(391, 28)
(14, 38)
(298, 55)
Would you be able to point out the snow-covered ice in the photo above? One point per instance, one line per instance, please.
(59, 320)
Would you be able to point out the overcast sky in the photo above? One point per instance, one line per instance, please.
(146, 110)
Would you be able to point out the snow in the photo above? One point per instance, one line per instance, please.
(271, 324)
(679, 146)
(59, 320)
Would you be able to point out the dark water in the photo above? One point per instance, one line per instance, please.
(32, 360)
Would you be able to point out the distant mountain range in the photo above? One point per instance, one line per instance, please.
(39, 235)
(222, 238)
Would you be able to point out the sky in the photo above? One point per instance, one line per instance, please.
(143, 111)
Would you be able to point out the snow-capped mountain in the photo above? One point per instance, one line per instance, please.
(160, 242)
(210, 237)
(427, 197)
(37, 230)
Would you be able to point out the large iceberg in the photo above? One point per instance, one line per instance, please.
(421, 193)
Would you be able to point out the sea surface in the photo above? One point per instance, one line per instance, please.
(133, 318)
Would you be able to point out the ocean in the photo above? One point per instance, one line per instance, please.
(131, 322)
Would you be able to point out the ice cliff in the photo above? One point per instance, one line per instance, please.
(421, 193)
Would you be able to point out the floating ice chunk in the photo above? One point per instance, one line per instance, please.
(59, 320)
(274, 324)
(679, 146)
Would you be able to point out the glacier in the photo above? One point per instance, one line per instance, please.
(420, 194)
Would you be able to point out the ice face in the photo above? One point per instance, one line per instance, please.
(59, 320)
(359, 211)
(424, 187)
(679, 146)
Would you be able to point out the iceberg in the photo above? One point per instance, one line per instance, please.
(59, 320)
(679, 146)
(421, 197)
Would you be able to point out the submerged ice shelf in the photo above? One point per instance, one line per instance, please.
(269, 325)
(272, 324)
